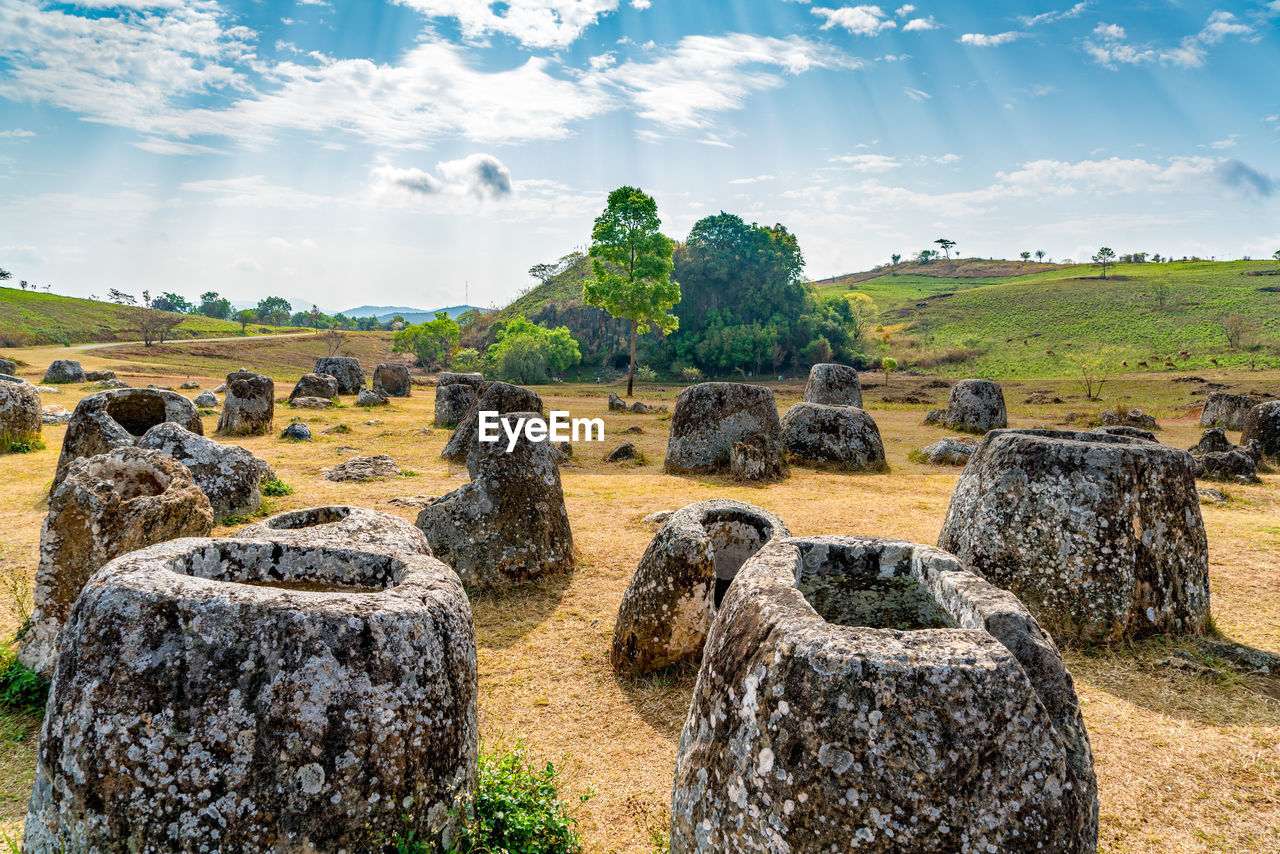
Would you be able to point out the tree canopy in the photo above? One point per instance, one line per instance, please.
(431, 341)
(524, 352)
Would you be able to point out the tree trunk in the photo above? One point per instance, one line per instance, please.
(631, 371)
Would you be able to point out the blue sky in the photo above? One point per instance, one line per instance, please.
(401, 152)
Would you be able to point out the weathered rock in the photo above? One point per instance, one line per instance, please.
(206, 400)
(494, 397)
(314, 385)
(452, 403)
(1212, 440)
(189, 384)
(112, 384)
(118, 419)
(1209, 495)
(710, 417)
(231, 695)
(345, 369)
(834, 385)
(160, 387)
(230, 476)
(658, 517)
(843, 436)
(220, 389)
(1262, 429)
(54, 414)
(99, 376)
(249, 408)
(951, 451)
(758, 459)
(1226, 410)
(1099, 535)
(107, 505)
(64, 371)
(368, 397)
(625, 451)
(1126, 430)
(297, 432)
(1128, 418)
(312, 403)
(20, 413)
(8, 367)
(973, 406)
(447, 378)
(339, 526)
(616, 404)
(681, 579)
(358, 469)
(1233, 465)
(639, 408)
(869, 694)
(509, 523)
(392, 380)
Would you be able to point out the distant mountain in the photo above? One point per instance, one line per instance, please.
(296, 304)
(410, 315)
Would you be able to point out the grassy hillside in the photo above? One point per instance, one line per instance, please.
(1048, 322)
(28, 318)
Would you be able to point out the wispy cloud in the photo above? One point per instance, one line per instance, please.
(1110, 48)
(1053, 17)
(990, 40)
(920, 25)
(16, 134)
(916, 94)
(534, 23)
(859, 20)
(869, 163)
(757, 179)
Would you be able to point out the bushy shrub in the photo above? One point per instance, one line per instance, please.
(467, 361)
(276, 487)
(644, 373)
(20, 689)
(691, 375)
(524, 352)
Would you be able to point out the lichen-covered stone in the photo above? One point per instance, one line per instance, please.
(1262, 429)
(1126, 430)
(8, 367)
(509, 523)
(118, 419)
(758, 459)
(681, 579)
(100, 376)
(1222, 409)
(345, 370)
(340, 526)
(64, 371)
(452, 403)
(1099, 535)
(232, 695)
(973, 406)
(368, 397)
(834, 385)
(616, 404)
(951, 451)
(1212, 440)
(230, 476)
(866, 694)
(1129, 418)
(1235, 466)
(20, 412)
(455, 378)
(206, 400)
(296, 432)
(625, 451)
(312, 403)
(641, 408)
(107, 505)
(314, 385)
(493, 397)
(710, 417)
(359, 469)
(54, 414)
(392, 380)
(250, 405)
(189, 384)
(843, 436)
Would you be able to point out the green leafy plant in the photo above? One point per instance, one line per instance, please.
(27, 446)
(20, 689)
(644, 373)
(276, 487)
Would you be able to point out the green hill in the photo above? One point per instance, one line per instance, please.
(28, 318)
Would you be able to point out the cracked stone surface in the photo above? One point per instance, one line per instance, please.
(314, 385)
(951, 451)
(1126, 430)
(1262, 429)
(834, 385)
(64, 371)
(1100, 536)
(20, 412)
(230, 476)
(671, 599)
(392, 380)
(710, 417)
(369, 397)
(345, 370)
(359, 469)
(842, 436)
(206, 400)
(106, 506)
(118, 419)
(1222, 409)
(973, 406)
(869, 694)
(249, 407)
(497, 397)
(238, 695)
(340, 525)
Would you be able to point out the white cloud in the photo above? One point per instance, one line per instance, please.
(867, 163)
(254, 192)
(916, 94)
(1112, 49)
(535, 23)
(920, 25)
(904, 10)
(641, 4)
(480, 176)
(1053, 17)
(1222, 24)
(992, 40)
(859, 20)
(247, 265)
(16, 134)
(757, 179)
(157, 145)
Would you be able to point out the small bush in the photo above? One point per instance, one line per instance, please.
(20, 689)
(234, 519)
(276, 487)
(517, 809)
(646, 374)
(27, 446)
(691, 375)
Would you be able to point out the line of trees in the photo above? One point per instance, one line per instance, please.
(270, 310)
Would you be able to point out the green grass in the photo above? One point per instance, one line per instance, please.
(28, 318)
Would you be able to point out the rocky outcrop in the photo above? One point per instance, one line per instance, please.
(833, 385)
(681, 579)
(1128, 418)
(973, 406)
(232, 695)
(447, 378)
(841, 436)
(249, 408)
(206, 400)
(54, 414)
(296, 432)
(710, 417)
(509, 523)
(951, 451)
(314, 385)
(494, 397)
(455, 393)
(368, 397)
(345, 370)
(1099, 535)
(1262, 430)
(20, 412)
(118, 419)
(359, 469)
(869, 694)
(1235, 466)
(64, 371)
(102, 376)
(8, 367)
(392, 380)
(107, 505)
(312, 403)
(1222, 409)
(340, 526)
(230, 477)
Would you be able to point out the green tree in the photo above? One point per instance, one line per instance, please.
(273, 310)
(895, 258)
(1040, 253)
(5, 275)
(1106, 256)
(888, 364)
(946, 245)
(1276, 257)
(1025, 256)
(431, 342)
(244, 317)
(212, 305)
(172, 302)
(525, 352)
(631, 262)
(118, 297)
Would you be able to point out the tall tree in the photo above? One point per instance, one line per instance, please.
(1106, 256)
(1040, 253)
(274, 310)
(946, 245)
(631, 262)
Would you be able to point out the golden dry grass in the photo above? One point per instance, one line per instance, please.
(1184, 763)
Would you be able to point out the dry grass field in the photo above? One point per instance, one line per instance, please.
(1185, 762)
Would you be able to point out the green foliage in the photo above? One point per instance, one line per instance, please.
(26, 446)
(234, 519)
(691, 375)
(646, 374)
(276, 487)
(20, 689)
(173, 302)
(212, 305)
(467, 360)
(244, 317)
(524, 352)
(516, 809)
(1106, 256)
(273, 310)
(431, 342)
